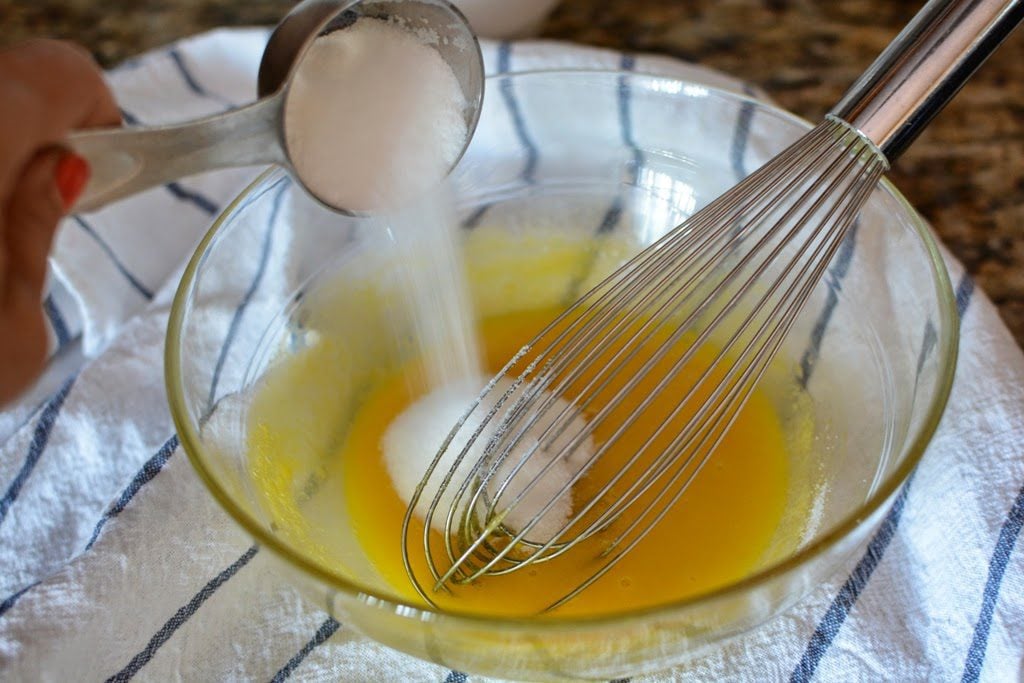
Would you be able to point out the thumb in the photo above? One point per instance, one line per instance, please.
(48, 185)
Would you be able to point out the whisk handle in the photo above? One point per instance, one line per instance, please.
(924, 67)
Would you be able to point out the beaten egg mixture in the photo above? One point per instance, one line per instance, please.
(718, 532)
(714, 535)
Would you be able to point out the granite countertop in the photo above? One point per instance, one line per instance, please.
(965, 174)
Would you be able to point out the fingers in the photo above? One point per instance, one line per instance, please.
(31, 216)
(65, 76)
(50, 182)
(48, 88)
(23, 352)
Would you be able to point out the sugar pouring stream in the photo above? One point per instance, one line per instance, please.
(736, 275)
(129, 160)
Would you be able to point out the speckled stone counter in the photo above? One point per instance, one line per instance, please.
(965, 173)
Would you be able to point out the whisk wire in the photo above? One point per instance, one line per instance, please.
(639, 311)
(643, 312)
(727, 409)
(662, 315)
(696, 423)
(729, 381)
(761, 248)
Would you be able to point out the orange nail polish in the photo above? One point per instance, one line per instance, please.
(71, 176)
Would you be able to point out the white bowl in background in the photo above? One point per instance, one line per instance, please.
(505, 18)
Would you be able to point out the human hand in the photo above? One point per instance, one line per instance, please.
(47, 89)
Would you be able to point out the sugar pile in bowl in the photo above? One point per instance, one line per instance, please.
(414, 437)
(393, 112)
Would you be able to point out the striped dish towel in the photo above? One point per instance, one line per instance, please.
(117, 563)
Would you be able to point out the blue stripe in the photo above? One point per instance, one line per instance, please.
(834, 280)
(851, 590)
(456, 677)
(247, 297)
(200, 201)
(186, 195)
(610, 220)
(741, 134)
(963, 294)
(928, 342)
(180, 617)
(844, 601)
(625, 95)
(142, 289)
(325, 631)
(57, 322)
(193, 84)
(188, 610)
(40, 438)
(738, 152)
(185, 74)
(996, 570)
(509, 96)
(149, 470)
(964, 290)
(474, 218)
(9, 602)
(613, 214)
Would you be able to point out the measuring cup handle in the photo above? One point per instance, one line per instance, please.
(124, 161)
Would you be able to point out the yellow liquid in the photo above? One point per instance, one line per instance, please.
(717, 533)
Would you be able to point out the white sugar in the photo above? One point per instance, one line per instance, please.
(374, 116)
(432, 279)
(416, 435)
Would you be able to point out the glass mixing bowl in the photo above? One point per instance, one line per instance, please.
(575, 170)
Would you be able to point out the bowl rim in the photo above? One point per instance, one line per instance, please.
(887, 489)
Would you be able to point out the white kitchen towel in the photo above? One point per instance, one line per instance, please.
(116, 563)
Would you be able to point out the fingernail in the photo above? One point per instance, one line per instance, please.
(72, 175)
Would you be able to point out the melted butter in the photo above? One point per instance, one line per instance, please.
(715, 534)
(729, 523)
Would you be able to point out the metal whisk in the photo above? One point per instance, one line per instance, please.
(735, 274)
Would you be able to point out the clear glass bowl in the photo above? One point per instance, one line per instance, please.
(609, 161)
